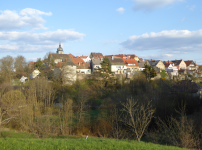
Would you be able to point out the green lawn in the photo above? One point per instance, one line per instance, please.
(78, 144)
(13, 140)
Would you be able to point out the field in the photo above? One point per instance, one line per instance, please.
(24, 141)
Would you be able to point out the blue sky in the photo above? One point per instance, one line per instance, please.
(158, 29)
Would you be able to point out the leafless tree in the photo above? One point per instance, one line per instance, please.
(20, 63)
(180, 131)
(7, 68)
(12, 103)
(138, 116)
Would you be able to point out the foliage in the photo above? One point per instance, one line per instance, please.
(163, 74)
(39, 64)
(106, 67)
(149, 71)
(106, 73)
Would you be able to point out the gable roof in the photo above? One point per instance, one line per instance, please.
(68, 61)
(142, 63)
(96, 61)
(59, 56)
(153, 62)
(84, 66)
(177, 62)
(131, 61)
(188, 62)
(77, 60)
(116, 61)
(71, 55)
(83, 57)
(167, 62)
(131, 56)
(121, 55)
(167, 65)
(97, 55)
(32, 63)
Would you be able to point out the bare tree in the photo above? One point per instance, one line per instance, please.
(12, 103)
(66, 116)
(7, 68)
(82, 98)
(180, 131)
(20, 63)
(138, 116)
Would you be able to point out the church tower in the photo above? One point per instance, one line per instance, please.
(60, 50)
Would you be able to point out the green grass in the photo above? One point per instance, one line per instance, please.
(78, 144)
(11, 140)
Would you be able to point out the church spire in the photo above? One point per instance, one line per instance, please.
(60, 49)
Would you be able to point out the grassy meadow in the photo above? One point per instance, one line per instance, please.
(11, 140)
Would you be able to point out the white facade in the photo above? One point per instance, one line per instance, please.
(34, 74)
(57, 61)
(23, 79)
(172, 70)
(85, 71)
(141, 69)
(68, 74)
(118, 69)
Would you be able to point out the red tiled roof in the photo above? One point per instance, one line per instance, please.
(97, 55)
(130, 61)
(169, 62)
(121, 55)
(83, 57)
(188, 62)
(84, 66)
(167, 65)
(77, 60)
(32, 63)
(71, 55)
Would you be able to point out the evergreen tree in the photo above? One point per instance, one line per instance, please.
(149, 71)
(106, 72)
(105, 68)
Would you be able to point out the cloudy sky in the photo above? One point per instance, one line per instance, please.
(158, 29)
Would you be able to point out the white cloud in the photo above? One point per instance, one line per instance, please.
(33, 42)
(31, 12)
(120, 10)
(157, 56)
(192, 7)
(169, 41)
(149, 5)
(27, 18)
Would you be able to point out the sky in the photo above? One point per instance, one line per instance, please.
(150, 29)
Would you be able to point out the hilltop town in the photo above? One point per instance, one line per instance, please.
(71, 67)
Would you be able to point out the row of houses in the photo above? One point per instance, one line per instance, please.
(120, 64)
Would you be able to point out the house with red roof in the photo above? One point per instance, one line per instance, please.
(31, 64)
(131, 65)
(96, 56)
(180, 64)
(191, 65)
(86, 59)
(171, 69)
(81, 66)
